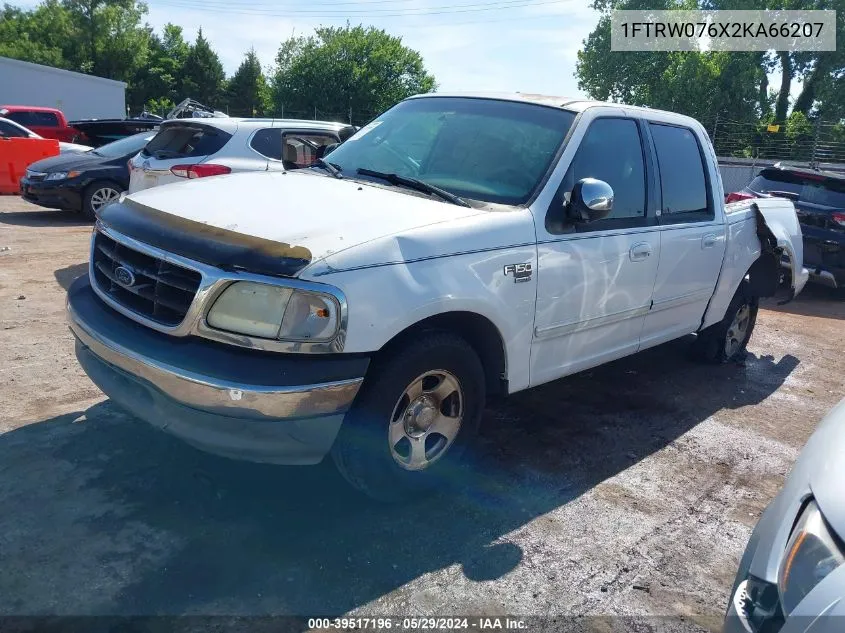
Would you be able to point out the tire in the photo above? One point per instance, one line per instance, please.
(97, 195)
(376, 450)
(726, 340)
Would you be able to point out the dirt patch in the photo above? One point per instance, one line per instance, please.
(628, 490)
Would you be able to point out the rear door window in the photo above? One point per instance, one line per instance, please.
(186, 141)
(683, 178)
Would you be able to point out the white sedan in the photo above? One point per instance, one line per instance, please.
(11, 129)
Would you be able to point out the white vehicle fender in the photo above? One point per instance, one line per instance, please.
(393, 283)
(744, 249)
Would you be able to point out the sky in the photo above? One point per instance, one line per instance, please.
(486, 45)
(508, 45)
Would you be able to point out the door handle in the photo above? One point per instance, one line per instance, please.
(709, 240)
(640, 252)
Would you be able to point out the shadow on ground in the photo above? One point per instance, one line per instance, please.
(815, 300)
(50, 217)
(66, 276)
(105, 515)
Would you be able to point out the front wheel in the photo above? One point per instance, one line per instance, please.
(98, 195)
(726, 340)
(417, 412)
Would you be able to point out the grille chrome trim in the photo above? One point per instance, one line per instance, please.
(151, 286)
(212, 282)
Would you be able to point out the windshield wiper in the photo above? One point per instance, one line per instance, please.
(333, 169)
(414, 183)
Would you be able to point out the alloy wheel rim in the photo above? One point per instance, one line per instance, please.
(426, 419)
(102, 197)
(737, 330)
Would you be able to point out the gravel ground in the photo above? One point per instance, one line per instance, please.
(628, 490)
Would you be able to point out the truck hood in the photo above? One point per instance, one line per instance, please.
(272, 223)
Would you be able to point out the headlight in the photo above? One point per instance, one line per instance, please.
(811, 554)
(271, 311)
(62, 175)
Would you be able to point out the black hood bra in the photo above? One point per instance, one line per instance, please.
(210, 245)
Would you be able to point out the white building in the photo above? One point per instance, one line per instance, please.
(78, 95)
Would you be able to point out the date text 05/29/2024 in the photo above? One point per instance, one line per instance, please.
(421, 624)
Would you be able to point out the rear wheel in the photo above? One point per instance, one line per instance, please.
(417, 412)
(726, 340)
(97, 195)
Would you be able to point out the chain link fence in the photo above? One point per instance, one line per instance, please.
(351, 116)
(799, 140)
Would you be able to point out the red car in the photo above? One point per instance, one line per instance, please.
(47, 122)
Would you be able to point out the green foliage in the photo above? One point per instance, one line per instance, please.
(350, 69)
(702, 85)
(247, 91)
(336, 70)
(202, 74)
(159, 78)
(159, 106)
(45, 35)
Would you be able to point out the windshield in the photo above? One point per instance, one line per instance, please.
(489, 150)
(129, 145)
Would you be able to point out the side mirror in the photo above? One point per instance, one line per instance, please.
(591, 200)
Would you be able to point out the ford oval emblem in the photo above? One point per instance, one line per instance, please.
(124, 276)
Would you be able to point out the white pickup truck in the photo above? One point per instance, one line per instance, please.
(456, 248)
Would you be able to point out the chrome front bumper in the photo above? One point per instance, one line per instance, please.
(287, 424)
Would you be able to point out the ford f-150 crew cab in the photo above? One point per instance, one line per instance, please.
(455, 248)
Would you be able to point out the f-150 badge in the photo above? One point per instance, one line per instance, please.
(520, 272)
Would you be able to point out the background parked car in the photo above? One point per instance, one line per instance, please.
(819, 198)
(793, 569)
(12, 129)
(196, 148)
(47, 122)
(83, 182)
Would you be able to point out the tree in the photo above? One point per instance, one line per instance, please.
(247, 93)
(697, 84)
(158, 81)
(346, 72)
(733, 85)
(21, 36)
(203, 78)
(110, 39)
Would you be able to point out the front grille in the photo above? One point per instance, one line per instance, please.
(35, 176)
(153, 288)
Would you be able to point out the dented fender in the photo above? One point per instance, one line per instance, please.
(764, 238)
(780, 233)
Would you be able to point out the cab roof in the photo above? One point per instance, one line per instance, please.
(24, 108)
(565, 103)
